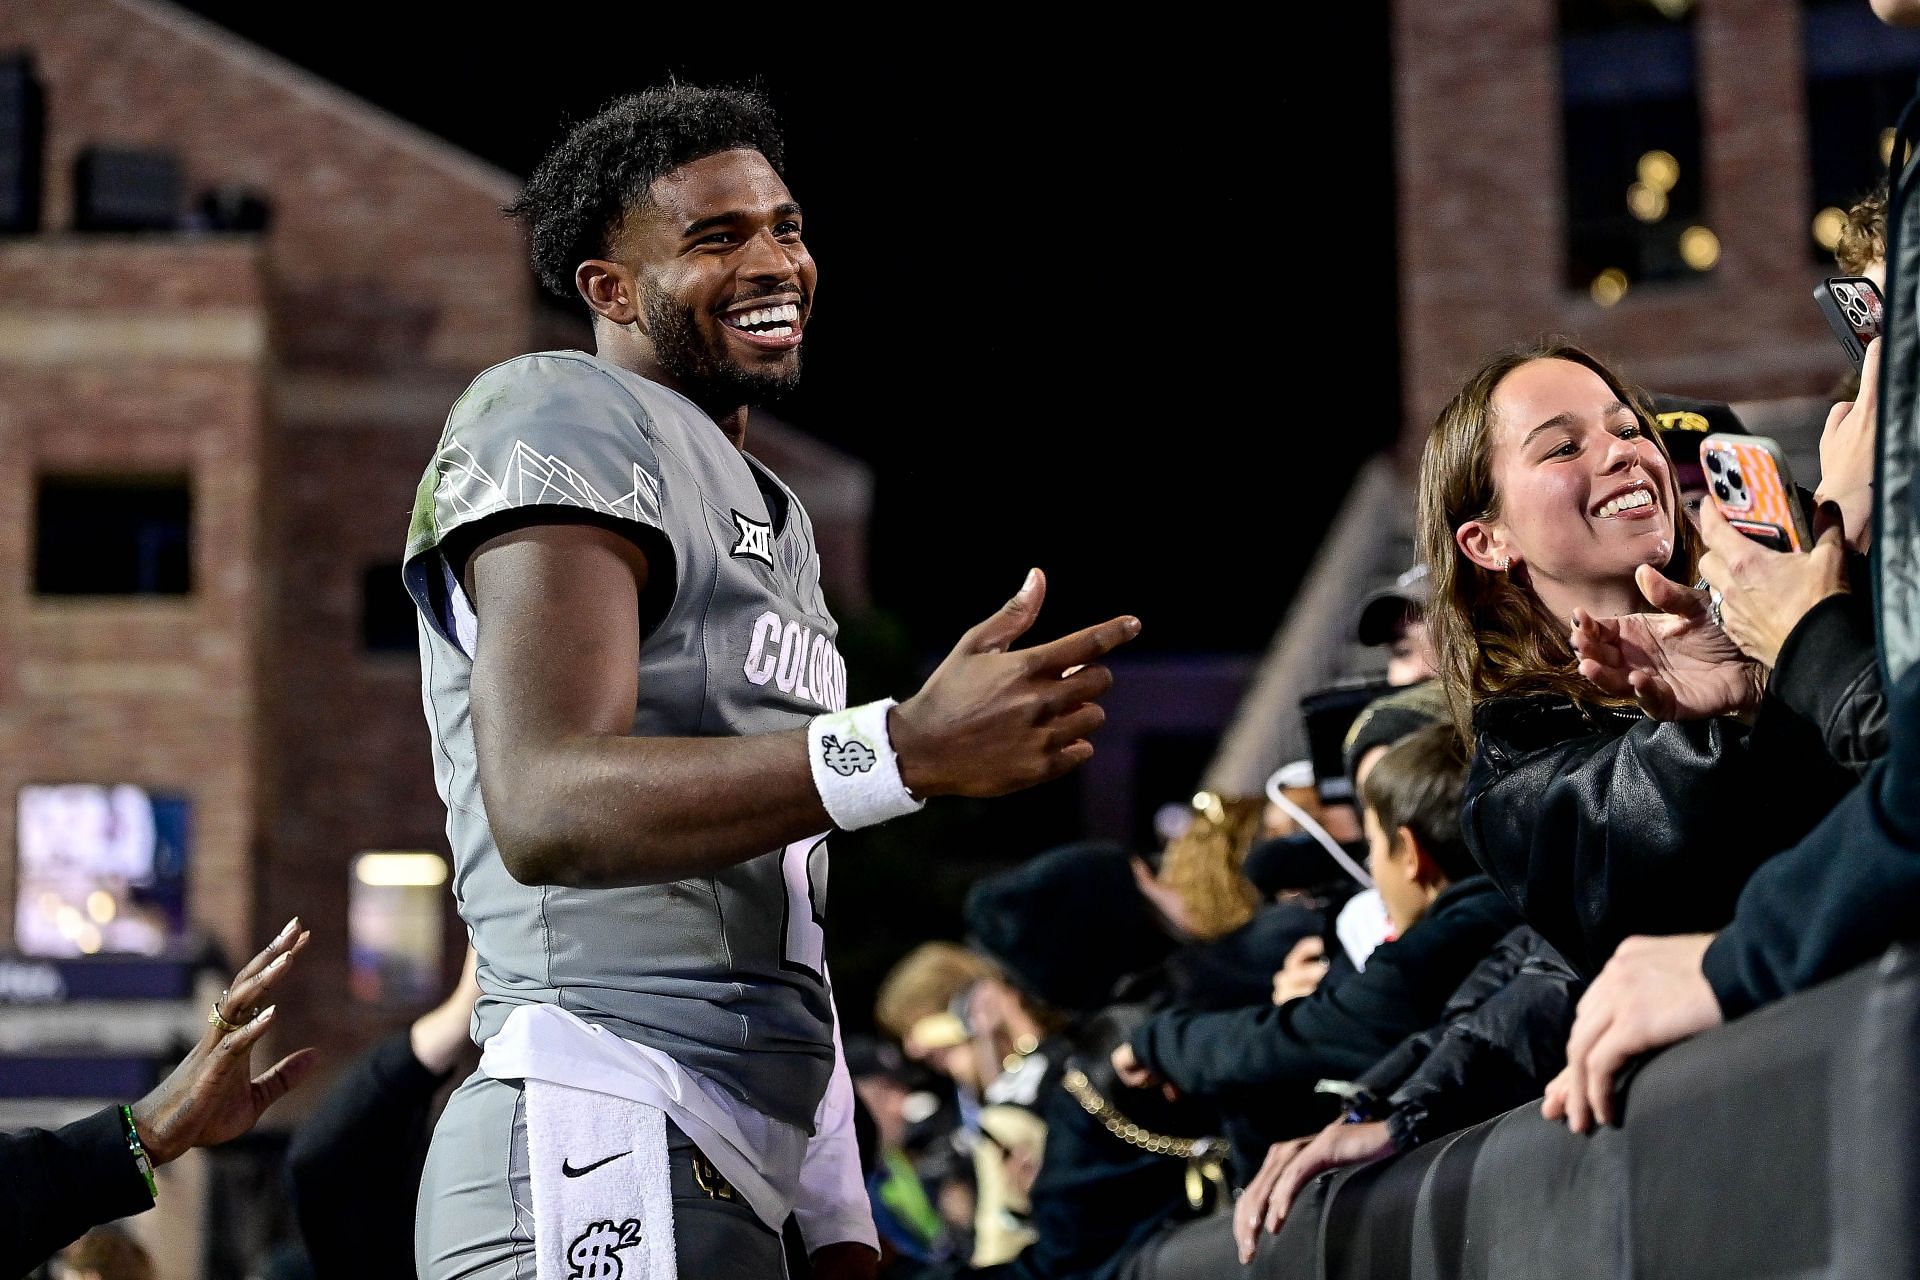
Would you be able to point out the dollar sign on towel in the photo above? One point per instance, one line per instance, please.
(595, 1254)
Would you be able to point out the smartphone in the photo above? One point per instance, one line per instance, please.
(1853, 308)
(1747, 478)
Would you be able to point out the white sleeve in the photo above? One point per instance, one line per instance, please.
(833, 1206)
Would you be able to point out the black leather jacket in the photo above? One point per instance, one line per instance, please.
(1829, 673)
(1600, 824)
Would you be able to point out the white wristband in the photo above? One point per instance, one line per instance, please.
(855, 769)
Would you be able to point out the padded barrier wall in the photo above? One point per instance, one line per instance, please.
(1784, 1145)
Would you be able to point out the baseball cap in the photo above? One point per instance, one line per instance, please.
(1387, 610)
(1683, 422)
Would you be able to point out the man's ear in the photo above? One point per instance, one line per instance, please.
(609, 289)
(1485, 543)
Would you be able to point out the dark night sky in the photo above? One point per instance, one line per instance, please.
(1117, 302)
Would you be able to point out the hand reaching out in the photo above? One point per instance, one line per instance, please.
(1677, 664)
(993, 719)
(213, 1095)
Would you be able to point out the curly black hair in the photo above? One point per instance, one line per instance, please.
(575, 200)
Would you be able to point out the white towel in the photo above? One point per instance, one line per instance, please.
(602, 1194)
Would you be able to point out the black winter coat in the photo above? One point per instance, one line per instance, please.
(1602, 824)
(58, 1184)
(1829, 674)
(1502, 1038)
(1271, 1056)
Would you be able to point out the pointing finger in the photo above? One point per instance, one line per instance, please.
(1083, 646)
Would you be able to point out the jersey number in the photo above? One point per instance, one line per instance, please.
(803, 935)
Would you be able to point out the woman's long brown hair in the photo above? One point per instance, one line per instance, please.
(1492, 633)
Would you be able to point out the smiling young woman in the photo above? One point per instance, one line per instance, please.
(1544, 491)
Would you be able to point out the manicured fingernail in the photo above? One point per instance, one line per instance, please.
(1131, 626)
(286, 929)
(280, 963)
(266, 1014)
(1027, 585)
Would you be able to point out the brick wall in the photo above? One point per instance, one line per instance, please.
(1481, 220)
(158, 692)
(387, 280)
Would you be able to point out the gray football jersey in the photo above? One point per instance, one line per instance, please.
(724, 973)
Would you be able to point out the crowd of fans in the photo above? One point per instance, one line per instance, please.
(1554, 855)
(1541, 856)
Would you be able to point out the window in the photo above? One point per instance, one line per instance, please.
(102, 869)
(396, 915)
(1860, 72)
(386, 611)
(1630, 115)
(113, 536)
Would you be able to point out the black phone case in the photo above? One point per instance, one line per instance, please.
(1854, 316)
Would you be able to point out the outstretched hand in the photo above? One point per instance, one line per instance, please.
(213, 1095)
(992, 719)
(1677, 664)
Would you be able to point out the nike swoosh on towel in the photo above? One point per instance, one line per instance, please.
(569, 1171)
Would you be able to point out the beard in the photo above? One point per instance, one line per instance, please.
(705, 371)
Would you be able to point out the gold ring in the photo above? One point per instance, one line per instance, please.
(215, 1020)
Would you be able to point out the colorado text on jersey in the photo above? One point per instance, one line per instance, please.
(799, 661)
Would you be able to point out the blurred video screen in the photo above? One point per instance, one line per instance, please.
(102, 870)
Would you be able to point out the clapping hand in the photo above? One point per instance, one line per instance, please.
(1677, 664)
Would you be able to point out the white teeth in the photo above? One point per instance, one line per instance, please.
(1627, 502)
(780, 331)
(787, 313)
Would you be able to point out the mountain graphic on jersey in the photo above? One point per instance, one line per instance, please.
(846, 758)
(533, 478)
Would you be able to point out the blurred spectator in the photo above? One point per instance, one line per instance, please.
(917, 1004)
(1261, 1064)
(104, 1253)
(58, 1183)
(1544, 497)
(1205, 894)
(909, 1225)
(1397, 617)
(354, 1166)
(1295, 782)
(1862, 251)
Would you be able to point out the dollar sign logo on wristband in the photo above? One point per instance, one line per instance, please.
(846, 758)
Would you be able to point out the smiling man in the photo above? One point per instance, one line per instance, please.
(641, 734)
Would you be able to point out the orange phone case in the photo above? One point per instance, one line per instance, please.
(1748, 480)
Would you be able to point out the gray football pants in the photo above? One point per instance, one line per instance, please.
(475, 1217)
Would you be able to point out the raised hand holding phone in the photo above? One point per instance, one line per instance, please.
(1751, 487)
(1853, 309)
(1765, 593)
